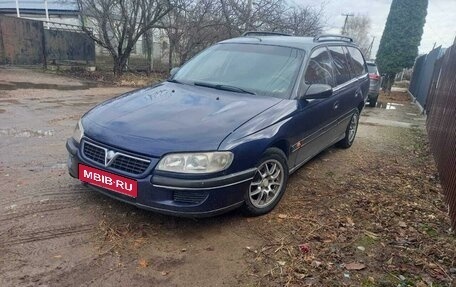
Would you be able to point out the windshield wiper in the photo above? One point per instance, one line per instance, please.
(223, 87)
(174, 81)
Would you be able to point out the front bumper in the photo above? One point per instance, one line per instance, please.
(175, 196)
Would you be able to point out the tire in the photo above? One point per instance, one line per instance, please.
(350, 132)
(272, 175)
(373, 102)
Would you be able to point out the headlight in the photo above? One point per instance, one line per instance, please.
(201, 162)
(78, 132)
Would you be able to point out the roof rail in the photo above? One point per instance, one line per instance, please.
(332, 37)
(263, 33)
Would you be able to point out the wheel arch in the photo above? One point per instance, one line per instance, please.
(283, 145)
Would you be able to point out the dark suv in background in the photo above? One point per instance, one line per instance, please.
(374, 83)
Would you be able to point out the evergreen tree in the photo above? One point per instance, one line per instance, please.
(401, 37)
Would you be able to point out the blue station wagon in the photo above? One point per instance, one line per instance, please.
(227, 128)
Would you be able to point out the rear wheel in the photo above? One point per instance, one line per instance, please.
(268, 184)
(350, 132)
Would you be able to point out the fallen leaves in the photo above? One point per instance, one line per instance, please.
(143, 263)
(304, 248)
(355, 266)
(281, 263)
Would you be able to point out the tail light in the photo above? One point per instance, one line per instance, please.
(374, 76)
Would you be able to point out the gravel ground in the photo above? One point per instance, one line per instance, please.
(56, 232)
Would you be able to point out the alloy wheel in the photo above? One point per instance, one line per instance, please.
(353, 127)
(266, 183)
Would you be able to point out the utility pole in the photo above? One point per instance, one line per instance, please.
(47, 12)
(369, 51)
(346, 21)
(249, 16)
(17, 9)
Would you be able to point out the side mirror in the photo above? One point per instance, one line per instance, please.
(173, 71)
(318, 91)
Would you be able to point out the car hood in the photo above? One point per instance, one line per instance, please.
(172, 117)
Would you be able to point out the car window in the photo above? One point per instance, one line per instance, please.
(319, 70)
(372, 69)
(357, 60)
(341, 66)
(262, 69)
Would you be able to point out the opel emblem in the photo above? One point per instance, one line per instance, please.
(109, 156)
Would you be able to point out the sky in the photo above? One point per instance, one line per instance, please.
(440, 27)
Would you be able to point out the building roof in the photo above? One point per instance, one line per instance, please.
(37, 6)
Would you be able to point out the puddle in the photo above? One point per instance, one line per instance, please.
(26, 85)
(388, 106)
(67, 103)
(26, 133)
(10, 101)
(385, 122)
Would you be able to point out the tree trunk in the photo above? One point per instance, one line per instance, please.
(170, 55)
(149, 40)
(390, 82)
(119, 66)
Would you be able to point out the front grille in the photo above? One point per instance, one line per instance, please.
(94, 153)
(128, 164)
(120, 161)
(192, 197)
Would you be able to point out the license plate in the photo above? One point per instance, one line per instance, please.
(108, 180)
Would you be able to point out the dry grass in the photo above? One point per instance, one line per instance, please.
(386, 214)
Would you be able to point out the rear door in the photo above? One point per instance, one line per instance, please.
(346, 91)
(359, 69)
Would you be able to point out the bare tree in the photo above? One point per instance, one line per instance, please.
(358, 28)
(116, 25)
(197, 24)
(240, 15)
(303, 21)
(192, 27)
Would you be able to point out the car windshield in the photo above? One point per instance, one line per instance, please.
(372, 69)
(244, 68)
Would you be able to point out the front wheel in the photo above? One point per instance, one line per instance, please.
(350, 132)
(268, 184)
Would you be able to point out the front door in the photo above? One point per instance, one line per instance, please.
(316, 118)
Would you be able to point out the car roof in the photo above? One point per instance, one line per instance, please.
(304, 43)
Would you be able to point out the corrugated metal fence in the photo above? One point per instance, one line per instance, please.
(441, 124)
(29, 42)
(422, 75)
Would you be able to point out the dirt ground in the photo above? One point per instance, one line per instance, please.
(372, 215)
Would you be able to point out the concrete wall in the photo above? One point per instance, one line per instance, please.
(21, 41)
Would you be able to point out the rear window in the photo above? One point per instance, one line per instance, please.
(372, 69)
(357, 61)
(341, 65)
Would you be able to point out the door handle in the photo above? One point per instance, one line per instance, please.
(336, 105)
